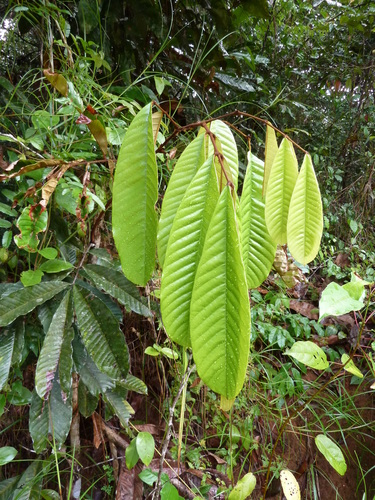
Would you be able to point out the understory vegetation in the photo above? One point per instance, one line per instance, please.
(187, 253)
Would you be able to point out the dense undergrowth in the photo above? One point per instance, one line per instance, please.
(93, 435)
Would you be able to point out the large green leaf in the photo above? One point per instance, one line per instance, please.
(258, 249)
(220, 311)
(50, 417)
(269, 155)
(184, 251)
(184, 171)
(305, 219)
(116, 284)
(135, 192)
(96, 381)
(50, 355)
(30, 483)
(280, 187)
(6, 352)
(101, 334)
(25, 300)
(228, 147)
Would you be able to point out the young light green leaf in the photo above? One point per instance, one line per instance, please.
(55, 266)
(258, 249)
(280, 187)
(131, 454)
(305, 219)
(7, 453)
(269, 156)
(31, 278)
(50, 354)
(145, 447)
(116, 284)
(356, 288)
(309, 354)
(6, 352)
(184, 171)
(243, 488)
(220, 310)
(290, 485)
(25, 300)
(49, 253)
(332, 453)
(184, 252)
(350, 366)
(101, 334)
(135, 192)
(228, 147)
(336, 300)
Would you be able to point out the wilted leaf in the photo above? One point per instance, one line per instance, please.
(350, 366)
(98, 131)
(32, 221)
(290, 485)
(58, 81)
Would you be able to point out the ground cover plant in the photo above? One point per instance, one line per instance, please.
(161, 335)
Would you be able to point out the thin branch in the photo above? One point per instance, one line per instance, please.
(169, 431)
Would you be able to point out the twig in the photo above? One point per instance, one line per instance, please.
(169, 431)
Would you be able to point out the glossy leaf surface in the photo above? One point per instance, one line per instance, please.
(220, 311)
(135, 192)
(280, 187)
(184, 251)
(115, 284)
(6, 353)
(184, 171)
(101, 334)
(50, 354)
(258, 249)
(305, 219)
(25, 300)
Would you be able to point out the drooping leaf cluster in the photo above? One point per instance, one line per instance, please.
(211, 246)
